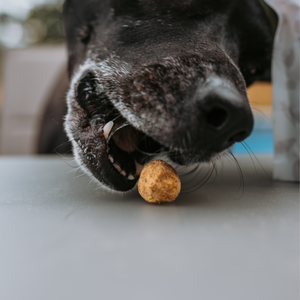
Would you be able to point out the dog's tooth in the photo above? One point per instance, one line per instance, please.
(130, 177)
(138, 168)
(111, 159)
(107, 128)
(123, 173)
(117, 166)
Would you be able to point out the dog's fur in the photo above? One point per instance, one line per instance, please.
(156, 68)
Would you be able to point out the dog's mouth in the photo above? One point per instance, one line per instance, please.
(112, 149)
(128, 149)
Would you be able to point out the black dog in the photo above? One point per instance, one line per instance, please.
(152, 76)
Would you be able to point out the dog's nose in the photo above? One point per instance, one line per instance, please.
(225, 113)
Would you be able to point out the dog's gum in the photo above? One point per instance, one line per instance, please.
(159, 182)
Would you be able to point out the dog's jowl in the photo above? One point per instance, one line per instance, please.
(151, 76)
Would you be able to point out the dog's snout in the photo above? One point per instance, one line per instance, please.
(226, 116)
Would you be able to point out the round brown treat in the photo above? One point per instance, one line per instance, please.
(159, 182)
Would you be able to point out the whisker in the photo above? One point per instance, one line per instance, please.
(242, 183)
(250, 157)
(78, 176)
(76, 169)
(198, 185)
(91, 181)
(189, 172)
(113, 120)
(69, 151)
(64, 158)
(216, 172)
(261, 112)
(62, 145)
(258, 161)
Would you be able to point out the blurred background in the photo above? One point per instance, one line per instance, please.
(27, 22)
(33, 67)
(32, 63)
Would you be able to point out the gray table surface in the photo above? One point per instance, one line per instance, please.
(61, 238)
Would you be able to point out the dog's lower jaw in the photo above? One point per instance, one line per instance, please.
(80, 163)
(101, 186)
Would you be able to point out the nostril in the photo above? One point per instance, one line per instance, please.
(217, 117)
(238, 137)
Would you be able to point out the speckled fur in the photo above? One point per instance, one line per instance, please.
(151, 58)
